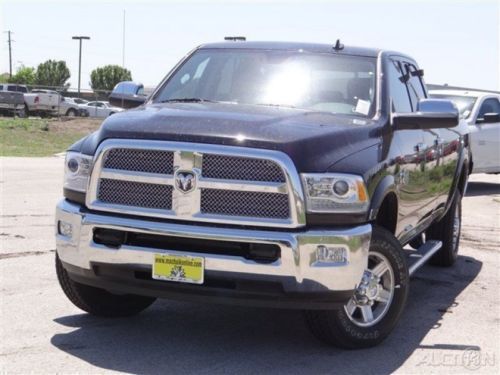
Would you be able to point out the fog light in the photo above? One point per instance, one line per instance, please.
(331, 254)
(65, 229)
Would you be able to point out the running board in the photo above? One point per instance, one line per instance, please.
(417, 258)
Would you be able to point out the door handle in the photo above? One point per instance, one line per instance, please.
(420, 147)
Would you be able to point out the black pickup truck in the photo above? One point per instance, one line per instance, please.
(268, 174)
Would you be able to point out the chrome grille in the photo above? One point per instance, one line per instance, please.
(231, 185)
(128, 193)
(151, 161)
(238, 168)
(244, 203)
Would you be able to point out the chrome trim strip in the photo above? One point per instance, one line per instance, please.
(144, 177)
(255, 186)
(188, 156)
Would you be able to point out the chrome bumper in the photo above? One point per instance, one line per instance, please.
(298, 269)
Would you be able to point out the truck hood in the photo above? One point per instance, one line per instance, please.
(313, 140)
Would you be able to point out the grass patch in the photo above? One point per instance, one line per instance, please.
(40, 137)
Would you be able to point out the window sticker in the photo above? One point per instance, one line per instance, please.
(363, 107)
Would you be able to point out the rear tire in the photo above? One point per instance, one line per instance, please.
(350, 327)
(447, 230)
(98, 301)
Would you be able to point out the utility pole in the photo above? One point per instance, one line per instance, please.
(10, 53)
(123, 45)
(80, 38)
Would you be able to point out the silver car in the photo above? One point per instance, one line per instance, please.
(100, 109)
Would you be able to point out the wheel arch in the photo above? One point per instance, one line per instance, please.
(385, 204)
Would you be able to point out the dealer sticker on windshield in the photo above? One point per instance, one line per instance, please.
(180, 268)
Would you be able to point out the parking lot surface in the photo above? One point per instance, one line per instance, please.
(451, 323)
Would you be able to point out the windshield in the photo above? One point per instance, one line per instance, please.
(463, 103)
(320, 82)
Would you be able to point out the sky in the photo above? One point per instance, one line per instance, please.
(454, 41)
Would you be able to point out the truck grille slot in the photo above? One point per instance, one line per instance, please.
(238, 168)
(196, 182)
(265, 253)
(245, 203)
(151, 161)
(129, 193)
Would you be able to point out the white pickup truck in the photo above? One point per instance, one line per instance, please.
(481, 111)
(48, 102)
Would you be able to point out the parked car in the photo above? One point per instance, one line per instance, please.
(100, 109)
(481, 110)
(128, 94)
(68, 107)
(80, 101)
(12, 99)
(292, 179)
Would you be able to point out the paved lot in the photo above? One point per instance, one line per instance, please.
(451, 324)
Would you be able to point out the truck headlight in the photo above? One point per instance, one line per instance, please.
(77, 171)
(335, 193)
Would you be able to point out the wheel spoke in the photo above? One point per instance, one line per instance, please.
(350, 307)
(367, 313)
(383, 296)
(380, 269)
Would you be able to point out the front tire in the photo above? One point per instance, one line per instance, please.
(376, 306)
(71, 113)
(98, 301)
(23, 113)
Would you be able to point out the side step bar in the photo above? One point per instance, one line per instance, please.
(417, 258)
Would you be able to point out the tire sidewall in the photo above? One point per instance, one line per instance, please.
(392, 251)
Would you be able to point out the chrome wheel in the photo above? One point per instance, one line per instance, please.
(373, 296)
(456, 227)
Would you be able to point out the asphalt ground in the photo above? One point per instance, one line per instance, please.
(451, 323)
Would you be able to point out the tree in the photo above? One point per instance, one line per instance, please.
(52, 73)
(25, 75)
(106, 77)
(4, 77)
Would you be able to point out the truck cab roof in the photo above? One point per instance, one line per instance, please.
(294, 46)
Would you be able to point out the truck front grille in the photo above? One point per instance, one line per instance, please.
(136, 194)
(237, 168)
(151, 161)
(196, 182)
(236, 203)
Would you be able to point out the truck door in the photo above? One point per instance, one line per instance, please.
(485, 142)
(439, 168)
(411, 163)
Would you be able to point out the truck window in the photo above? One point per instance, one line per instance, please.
(16, 88)
(490, 105)
(397, 88)
(320, 82)
(415, 86)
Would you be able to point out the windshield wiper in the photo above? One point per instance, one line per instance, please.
(187, 100)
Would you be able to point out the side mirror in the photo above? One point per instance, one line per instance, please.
(489, 118)
(431, 114)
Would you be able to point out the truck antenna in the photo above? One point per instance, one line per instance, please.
(338, 46)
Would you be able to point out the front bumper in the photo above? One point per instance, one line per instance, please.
(298, 279)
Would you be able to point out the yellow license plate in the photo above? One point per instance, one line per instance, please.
(180, 268)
